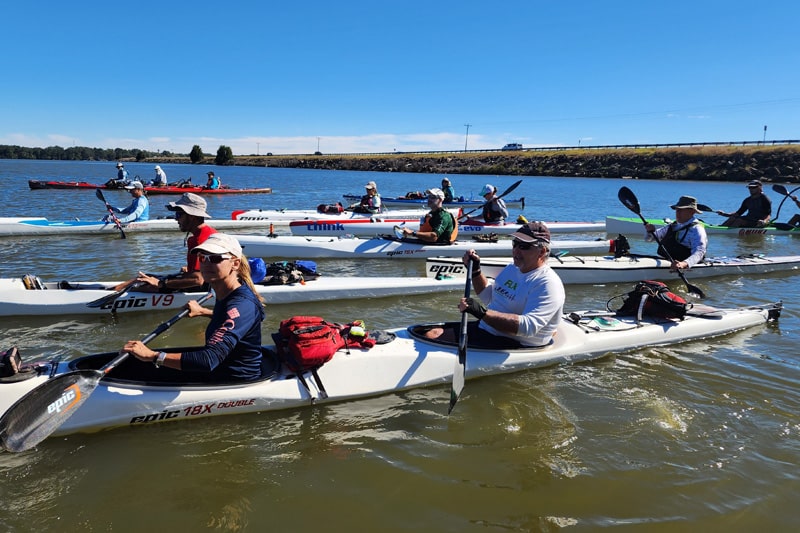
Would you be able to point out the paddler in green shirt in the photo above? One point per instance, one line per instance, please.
(439, 226)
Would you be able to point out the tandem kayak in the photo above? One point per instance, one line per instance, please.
(468, 227)
(633, 227)
(137, 393)
(167, 189)
(385, 247)
(10, 226)
(29, 295)
(422, 203)
(609, 269)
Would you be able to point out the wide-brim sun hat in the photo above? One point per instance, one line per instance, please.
(754, 183)
(191, 204)
(534, 231)
(686, 202)
(135, 185)
(119, 165)
(220, 243)
(371, 185)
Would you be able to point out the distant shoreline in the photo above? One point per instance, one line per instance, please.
(710, 163)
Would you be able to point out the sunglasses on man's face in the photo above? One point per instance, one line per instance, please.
(213, 258)
(522, 245)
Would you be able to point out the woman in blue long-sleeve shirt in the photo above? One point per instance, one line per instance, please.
(233, 337)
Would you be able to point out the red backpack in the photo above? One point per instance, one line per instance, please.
(308, 342)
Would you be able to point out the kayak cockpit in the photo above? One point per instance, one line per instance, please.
(134, 371)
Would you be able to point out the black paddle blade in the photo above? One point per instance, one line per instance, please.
(99, 194)
(40, 412)
(706, 209)
(780, 189)
(460, 371)
(629, 200)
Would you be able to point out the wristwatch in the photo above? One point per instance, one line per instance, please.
(159, 360)
(414, 233)
(162, 283)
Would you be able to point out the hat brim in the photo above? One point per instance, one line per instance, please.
(189, 210)
(693, 208)
(524, 237)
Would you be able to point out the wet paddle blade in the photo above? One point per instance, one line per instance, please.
(460, 370)
(44, 409)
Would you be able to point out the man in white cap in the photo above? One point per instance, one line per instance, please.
(161, 178)
(757, 206)
(439, 226)
(684, 240)
(137, 211)
(371, 201)
(190, 212)
(494, 210)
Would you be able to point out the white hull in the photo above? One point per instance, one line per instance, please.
(608, 269)
(285, 247)
(369, 228)
(43, 226)
(405, 362)
(517, 203)
(282, 217)
(16, 300)
(633, 227)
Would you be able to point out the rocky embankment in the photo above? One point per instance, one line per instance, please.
(718, 163)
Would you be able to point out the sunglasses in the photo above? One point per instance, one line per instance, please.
(522, 245)
(213, 258)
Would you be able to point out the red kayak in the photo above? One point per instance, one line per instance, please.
(168, 189)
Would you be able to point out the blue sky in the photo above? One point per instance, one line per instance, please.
(358, 76)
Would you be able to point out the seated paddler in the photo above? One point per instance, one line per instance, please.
(684, 240)
(232, 350)
(439, 226)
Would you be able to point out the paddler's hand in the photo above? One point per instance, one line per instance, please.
(150, 280)
(476, 261)
(140, 351)
(472, 306)
(650, 228)
(678, 265)
(195, 309)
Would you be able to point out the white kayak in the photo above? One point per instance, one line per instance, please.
(11, 226)
(468, 227)
(633, 227)
(609, 269)
(31, 296)
(422, 202)
(282, 217)
(137, 393)
(384, 247)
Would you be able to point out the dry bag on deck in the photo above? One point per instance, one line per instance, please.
(307, 342)
(651, 298)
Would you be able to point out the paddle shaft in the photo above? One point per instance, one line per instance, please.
(117, 223)
(507, 191)
(44, 409)
(459, 373)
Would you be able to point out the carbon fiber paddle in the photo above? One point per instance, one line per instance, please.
(44, 409)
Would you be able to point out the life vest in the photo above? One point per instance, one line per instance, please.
(673, 245)
(443, 239)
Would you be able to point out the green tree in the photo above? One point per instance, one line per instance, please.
(196, 155)
(224, 155)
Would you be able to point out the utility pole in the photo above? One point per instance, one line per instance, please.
(317, 144)
(765, 134)
(466, 139)
(258, 148)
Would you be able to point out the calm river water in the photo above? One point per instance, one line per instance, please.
(701, 436)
